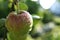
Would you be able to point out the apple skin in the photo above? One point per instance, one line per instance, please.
(19, 22)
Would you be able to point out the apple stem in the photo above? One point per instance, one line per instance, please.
(17, 6)
(12, 8)
(15, 2)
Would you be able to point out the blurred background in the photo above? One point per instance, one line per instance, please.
(46, 18)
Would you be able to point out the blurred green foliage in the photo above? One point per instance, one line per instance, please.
(32, 6)
(3, 8)
(40, 18)
(2, 27)
(47, 17)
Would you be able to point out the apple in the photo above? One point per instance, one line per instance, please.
(19, 22)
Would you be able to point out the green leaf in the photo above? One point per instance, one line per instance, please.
(21, 6)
